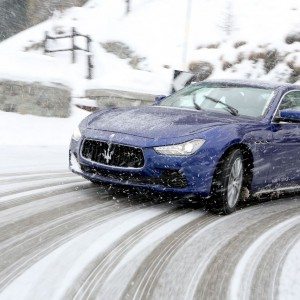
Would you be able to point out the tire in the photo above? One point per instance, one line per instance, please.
(228, 184)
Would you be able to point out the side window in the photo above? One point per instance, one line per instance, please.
(291, 101)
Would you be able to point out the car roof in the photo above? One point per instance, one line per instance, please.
(252, 83)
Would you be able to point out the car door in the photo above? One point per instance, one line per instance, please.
(285, 162)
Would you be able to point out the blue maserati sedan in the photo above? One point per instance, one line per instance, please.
(220, 140)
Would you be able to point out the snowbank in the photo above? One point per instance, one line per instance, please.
(28, 130)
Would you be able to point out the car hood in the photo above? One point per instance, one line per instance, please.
(156, 122)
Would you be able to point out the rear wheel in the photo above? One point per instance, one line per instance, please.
(228, 184)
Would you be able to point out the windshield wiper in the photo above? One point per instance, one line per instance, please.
(197, 106)
(230, 108)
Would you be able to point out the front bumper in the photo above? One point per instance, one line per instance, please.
(192, 174)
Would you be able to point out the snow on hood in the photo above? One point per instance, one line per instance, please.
(156, 122)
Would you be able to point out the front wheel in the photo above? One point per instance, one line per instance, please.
(228, 184)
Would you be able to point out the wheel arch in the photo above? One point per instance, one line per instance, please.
(248, 161)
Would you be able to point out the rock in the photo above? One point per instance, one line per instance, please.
(123, 51)
(35, 98)
(257, 55)
(272, 58)
(292, 37)
(118, 48)
(135, 61)
(213, 46)
(293, 61)
(201, 69)
(239, 44)
(226, 65)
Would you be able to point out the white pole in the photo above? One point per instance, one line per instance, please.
(185, 45)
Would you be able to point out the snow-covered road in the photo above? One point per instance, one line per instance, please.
(62, 237)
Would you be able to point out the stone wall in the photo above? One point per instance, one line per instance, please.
(17, 15)
(115, 98)
(35, 98)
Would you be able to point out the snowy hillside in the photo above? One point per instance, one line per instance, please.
(236, 39)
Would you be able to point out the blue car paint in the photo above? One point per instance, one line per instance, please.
(290, 114)
(275, 148)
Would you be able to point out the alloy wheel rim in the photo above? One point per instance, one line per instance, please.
(235, 182)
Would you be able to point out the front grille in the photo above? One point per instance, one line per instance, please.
(168, 178)
(113, 154)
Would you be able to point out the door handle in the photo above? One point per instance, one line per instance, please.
(262, 142)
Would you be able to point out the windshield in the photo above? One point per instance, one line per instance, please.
(246, 101)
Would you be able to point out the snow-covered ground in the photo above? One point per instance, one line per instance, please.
(289, 287)
(29, 130)
(235, 37)
(21, 158)
(64, 238)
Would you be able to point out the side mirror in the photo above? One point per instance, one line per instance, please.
(289, 115)
(159, 99)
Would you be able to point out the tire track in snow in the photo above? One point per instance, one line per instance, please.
(214, 284)
(146, 277)
(41, 213)
(26, 178)
(266, 279)
(21, 227)
(34, 248)
(115, 284)
(260, 253)
(104, 264)
(288, 287)
(37, 184)
(37, 249)
(31, 173)
(180, 275)
(187, 265)
(26, 204)
(100, 241)
(13, 200)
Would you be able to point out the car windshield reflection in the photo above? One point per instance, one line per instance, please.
(246, 101)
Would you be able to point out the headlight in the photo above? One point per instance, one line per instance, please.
(186, 148)
(76, 134)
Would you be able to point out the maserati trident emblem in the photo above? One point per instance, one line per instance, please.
(107, 154)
